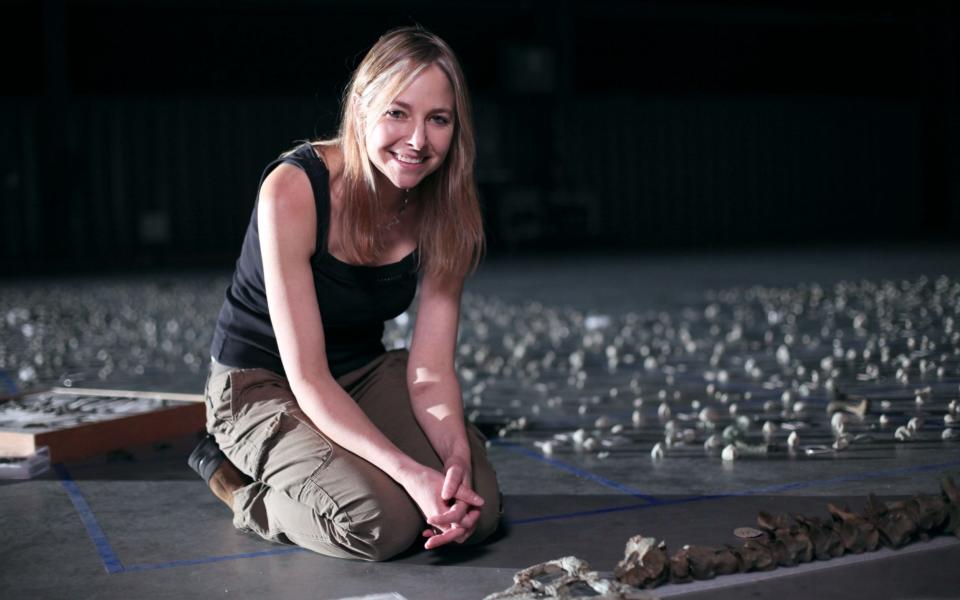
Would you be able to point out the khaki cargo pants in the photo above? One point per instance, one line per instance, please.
(310, 492)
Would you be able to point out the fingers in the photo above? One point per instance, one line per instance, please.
(440, 539)
(457, 532)
(454, 515)
(469, 496)
(471, 519)
(467, 525)
(452, 481)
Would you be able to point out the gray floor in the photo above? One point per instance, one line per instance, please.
(139, 523)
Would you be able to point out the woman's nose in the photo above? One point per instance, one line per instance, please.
(417, 137)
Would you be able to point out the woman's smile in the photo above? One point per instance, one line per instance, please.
(407, 161)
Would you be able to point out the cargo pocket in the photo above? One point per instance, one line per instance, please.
(250, 452)
(257, 390)
(298, 456)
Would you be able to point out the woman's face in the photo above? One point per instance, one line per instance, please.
(411, 138)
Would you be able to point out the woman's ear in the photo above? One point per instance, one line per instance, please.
(358, 111)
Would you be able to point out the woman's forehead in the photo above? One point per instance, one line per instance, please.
(429, 86)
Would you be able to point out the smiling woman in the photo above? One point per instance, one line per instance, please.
(318, 436)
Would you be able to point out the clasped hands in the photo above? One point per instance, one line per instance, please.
(449, 504)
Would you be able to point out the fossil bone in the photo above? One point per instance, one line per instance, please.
(567, 577)
(858, 409)
(645, 563)
(856, 533)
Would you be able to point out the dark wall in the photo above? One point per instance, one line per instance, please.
(134, 132)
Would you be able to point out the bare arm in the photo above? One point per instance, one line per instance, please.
(438, 405)
(431, 377)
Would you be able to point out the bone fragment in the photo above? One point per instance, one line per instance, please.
(858, 409)
(857, 533)
(894, 524)
(567, 577)
(645, 563)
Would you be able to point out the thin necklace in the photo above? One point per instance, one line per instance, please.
(396, 219)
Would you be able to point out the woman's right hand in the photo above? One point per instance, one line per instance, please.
(425, 485)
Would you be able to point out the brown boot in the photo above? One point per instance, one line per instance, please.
(226, 480)
(208, 461)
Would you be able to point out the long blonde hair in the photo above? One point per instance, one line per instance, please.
(451, 240)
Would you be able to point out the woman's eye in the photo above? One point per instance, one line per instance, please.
(441, 120)
(395, 114)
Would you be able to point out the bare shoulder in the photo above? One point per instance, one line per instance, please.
(287, 187)
(286, 213)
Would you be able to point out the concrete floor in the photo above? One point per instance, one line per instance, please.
(138, 523)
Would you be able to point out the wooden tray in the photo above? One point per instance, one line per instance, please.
(84, 440)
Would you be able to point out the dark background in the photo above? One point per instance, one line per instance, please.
(134, 133)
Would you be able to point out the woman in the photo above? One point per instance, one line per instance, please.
(320, 438)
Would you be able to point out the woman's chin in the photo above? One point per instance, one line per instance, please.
(406, 181)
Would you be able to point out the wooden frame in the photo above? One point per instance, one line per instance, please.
(90, 439)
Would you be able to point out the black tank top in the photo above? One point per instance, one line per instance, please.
(354, 300)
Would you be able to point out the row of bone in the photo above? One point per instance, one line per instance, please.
(783, 541)
(780, 541)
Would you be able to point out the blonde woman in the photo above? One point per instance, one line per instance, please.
(319, 437)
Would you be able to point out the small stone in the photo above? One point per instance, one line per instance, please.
(903, 434)
(838, 422)
(603, 422)
(546, 447)
(708, 415)
(793, 441)
(579, 436)
(714, 442)
(663, 411)
(657, 452)
(769, 429)
(841, 443)
(729, 453)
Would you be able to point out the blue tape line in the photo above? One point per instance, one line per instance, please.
(578, 514)
(756, 491)
(783, 487)
(9, 383)
(97, 536)
(212, 559)
(578, 472)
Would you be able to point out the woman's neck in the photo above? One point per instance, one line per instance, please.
(392, 198)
